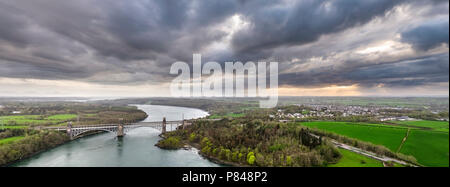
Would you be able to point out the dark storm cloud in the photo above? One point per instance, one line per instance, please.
(428, 35)
(11, 26)
(137, 41)
(305, 22)
(117, 33)
(419, 71)
(24, 67)
(409, 72)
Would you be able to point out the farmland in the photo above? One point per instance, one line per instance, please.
(32, 120)
(11, 139)
(441, 126)
(429, 147)
(230, 115)
(13, 127)
(389, 137)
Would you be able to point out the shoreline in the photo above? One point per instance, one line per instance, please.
(188, 145)
(41, 151)
(9, 164)
(32, 155)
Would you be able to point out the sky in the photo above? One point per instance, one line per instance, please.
(112, 48)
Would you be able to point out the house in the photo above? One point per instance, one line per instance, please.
(404, 118)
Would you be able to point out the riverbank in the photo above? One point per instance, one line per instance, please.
(32, 155)
(30, 146)
(44, 150)
(186, 145)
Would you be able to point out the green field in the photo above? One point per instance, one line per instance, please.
(11, 139)
(62, 117)
(430, 148)
(230, 115)
(13, 127)
(433, 125)
(24, 120)
(351, 159)
(390, 137)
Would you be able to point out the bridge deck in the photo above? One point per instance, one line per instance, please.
(139, 124)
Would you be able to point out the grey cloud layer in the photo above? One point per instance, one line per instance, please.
(428, 35)
(306, 21)
(132, 42)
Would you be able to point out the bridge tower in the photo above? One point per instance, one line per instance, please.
(163, 130)
(182, 122)
(120, 129)
(69, 129)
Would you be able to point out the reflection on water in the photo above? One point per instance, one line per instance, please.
(136, 149)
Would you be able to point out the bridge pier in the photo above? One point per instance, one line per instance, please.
(120, 129)
(163, 129)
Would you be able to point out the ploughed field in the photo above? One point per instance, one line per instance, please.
(429, 144)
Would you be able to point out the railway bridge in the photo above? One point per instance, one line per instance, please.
(120, 129)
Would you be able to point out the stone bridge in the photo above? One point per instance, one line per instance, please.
(120, 129)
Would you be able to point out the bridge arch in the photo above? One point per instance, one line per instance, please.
(77, 134)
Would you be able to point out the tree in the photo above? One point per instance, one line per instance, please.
(251, 160)
(289, 161)
(192, 137)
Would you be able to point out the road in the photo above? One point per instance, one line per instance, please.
(367, 153)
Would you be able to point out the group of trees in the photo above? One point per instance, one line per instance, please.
(172, 142)
(245, 141)
(294, 108)
(33, 142)
(112, 115)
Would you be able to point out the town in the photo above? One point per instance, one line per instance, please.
(379, 113)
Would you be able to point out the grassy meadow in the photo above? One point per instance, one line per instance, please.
(26, 120)
(230, 115)
(11, 139)
(430, 147)
(351, 159)
(389, 137)
(12, 127)
(441, 126)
